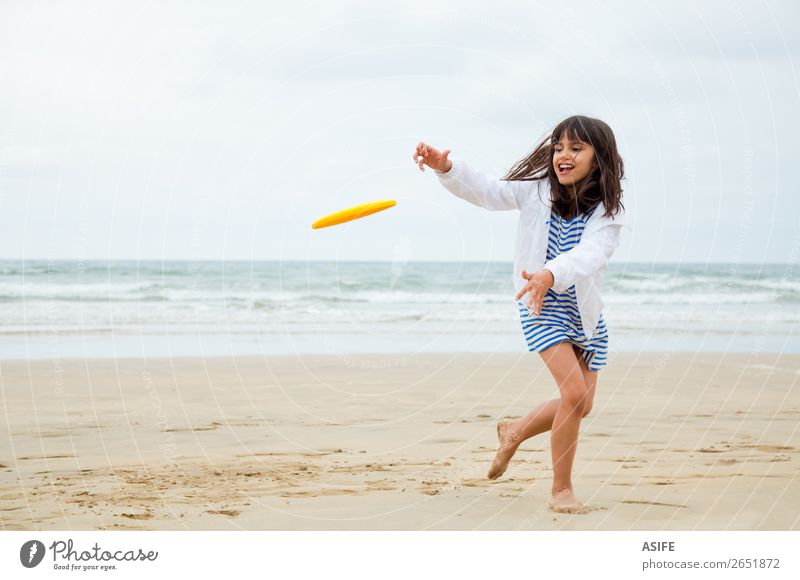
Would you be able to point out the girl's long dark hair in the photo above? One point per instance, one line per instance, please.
(603, 183)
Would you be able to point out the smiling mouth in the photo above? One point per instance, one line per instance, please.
(565, 168)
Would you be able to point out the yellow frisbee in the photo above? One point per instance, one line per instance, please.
(353, 213)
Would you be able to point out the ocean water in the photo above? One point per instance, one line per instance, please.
(175, 308)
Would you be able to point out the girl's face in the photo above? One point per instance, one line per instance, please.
(572, 161)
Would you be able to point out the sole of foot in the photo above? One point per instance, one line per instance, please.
(504, 453)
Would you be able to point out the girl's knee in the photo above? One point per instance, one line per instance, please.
(575, 396)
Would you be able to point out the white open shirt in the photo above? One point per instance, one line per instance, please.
(584, 265)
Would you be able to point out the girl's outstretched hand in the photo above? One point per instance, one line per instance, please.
(427, 155)
(537, 285)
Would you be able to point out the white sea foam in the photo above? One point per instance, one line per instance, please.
(419, 299)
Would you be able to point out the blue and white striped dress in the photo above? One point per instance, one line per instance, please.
(560, 319)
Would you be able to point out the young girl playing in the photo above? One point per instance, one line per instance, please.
(568, 192)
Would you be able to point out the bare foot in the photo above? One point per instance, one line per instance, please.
(565, 502)
(508, 446)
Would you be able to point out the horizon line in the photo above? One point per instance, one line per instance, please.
(247, 260)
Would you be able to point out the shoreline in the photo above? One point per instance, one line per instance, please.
(392, 354)
(509, 342)
(676, 440)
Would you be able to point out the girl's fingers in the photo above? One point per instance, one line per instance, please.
(424, 155)
(418, 157)
(539, 300)
(536, 298)
(532, 301)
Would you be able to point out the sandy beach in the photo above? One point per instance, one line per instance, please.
(676, 441)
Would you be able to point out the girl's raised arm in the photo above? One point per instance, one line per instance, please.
(470, 184)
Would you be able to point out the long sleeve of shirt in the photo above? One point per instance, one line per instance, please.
(483, 190)
(588, 257)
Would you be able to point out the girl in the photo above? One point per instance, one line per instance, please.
(568, 192)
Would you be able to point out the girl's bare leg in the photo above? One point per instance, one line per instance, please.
(512, 433)
(566, 370)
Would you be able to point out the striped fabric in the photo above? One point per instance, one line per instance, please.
(560, 319)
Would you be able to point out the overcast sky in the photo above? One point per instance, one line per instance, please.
(222, 130)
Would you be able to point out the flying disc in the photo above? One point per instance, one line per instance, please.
(353, 213)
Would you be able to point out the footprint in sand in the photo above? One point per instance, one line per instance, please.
(229, 513)
(180, 429)
(318, 493)
(144, 516)
(658, 503)
(443, 440)
(769, 448)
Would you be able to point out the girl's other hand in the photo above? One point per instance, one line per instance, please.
(537, 286)
(427, 155)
